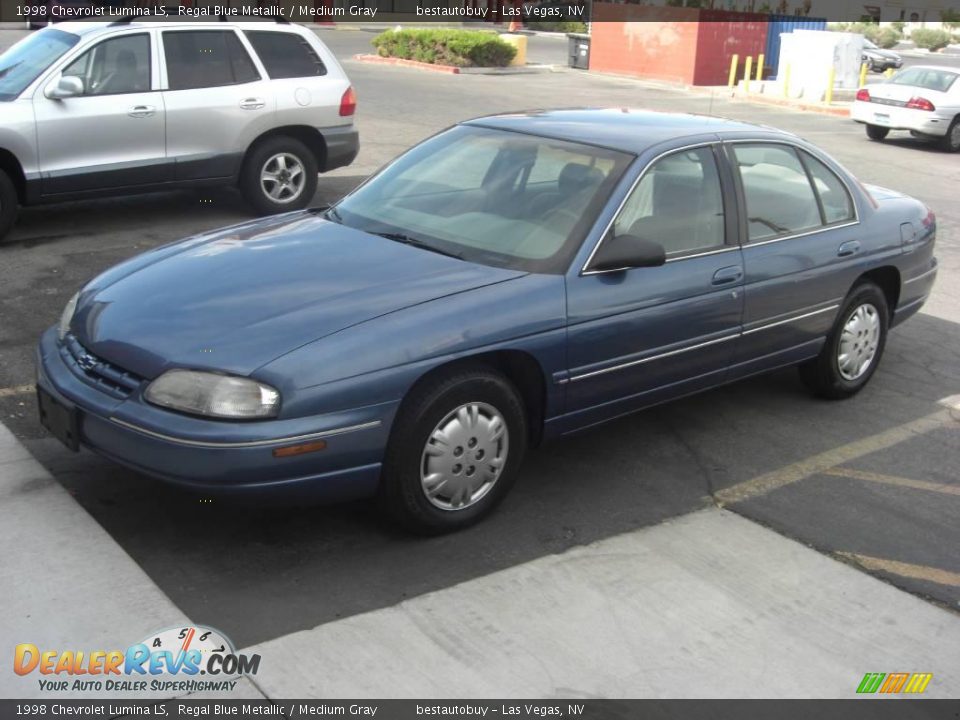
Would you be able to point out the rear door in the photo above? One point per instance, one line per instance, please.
(644, 335)
(801, 251)
(217, 101)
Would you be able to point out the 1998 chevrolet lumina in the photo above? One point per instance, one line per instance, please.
(513, 279)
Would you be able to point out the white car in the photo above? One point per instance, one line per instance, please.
(923, 99)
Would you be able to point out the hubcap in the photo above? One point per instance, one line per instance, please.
(464, 456)
(282, 178)
(859, 342)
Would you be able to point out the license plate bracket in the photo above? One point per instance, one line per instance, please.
(60, 419)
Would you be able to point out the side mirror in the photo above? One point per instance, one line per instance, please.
(67, 86)
(628, 251)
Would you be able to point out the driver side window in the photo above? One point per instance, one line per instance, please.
(677, 203)
(114, 67)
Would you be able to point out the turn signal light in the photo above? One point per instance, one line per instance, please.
(348, 103)
(919, 103)
(292, 450)
(863, 95)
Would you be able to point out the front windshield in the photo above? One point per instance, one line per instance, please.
(869, 45)
(489, 196)
(22, 63)
(926, 78)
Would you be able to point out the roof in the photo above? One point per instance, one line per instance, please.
(86, 27)
(629, 129)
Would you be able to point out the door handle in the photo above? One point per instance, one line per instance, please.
(851, 247)
(727, 275)
(141, 111)
(252, 103)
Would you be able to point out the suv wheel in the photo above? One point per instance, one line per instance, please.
(454, 451)
(279, 175)
(8, 204)
(875, 132)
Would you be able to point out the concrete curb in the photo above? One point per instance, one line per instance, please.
(838, 111)
(453, 69)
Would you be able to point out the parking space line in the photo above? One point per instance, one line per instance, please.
(16, 390)
(893, 480)
(818, 464)
(909, 570)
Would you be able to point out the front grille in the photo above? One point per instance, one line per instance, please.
(96, 371)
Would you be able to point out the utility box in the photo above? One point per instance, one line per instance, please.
(578, 51)
(811, 54)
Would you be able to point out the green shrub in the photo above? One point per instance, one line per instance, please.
(560, 26)
(443, 46)
(930, 38)
(887, 37)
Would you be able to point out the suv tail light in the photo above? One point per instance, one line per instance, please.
(863, 95)
(348, 103)
(919, 103)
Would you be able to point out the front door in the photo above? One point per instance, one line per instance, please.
(110, 136)
(641, 336)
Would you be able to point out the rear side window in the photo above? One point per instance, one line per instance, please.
(286, 55)
(779, 197)
(834, 197)
(206, 58)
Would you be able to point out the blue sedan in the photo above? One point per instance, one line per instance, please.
(510, 280)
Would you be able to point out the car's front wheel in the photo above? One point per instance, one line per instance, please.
(279, 175)
(454, 452)
(875, 132)
(853, 348)
(951, 141)
(8, 204)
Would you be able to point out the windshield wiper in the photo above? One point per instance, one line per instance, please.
(407, 240)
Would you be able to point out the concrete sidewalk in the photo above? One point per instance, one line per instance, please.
(707, 606)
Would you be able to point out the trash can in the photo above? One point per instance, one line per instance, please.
(578, 50)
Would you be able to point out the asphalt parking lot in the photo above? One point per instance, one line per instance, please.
(873, 480)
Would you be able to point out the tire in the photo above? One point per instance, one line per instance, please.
(9, 203)
(951, 141)
(875, 132)
(279, 155)
(866, 313)
(448, 404)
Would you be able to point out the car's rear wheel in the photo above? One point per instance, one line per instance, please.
(875, 132)
(454, 452)
(8, 204)
(279, 175)
(854, 347)
(951, 141)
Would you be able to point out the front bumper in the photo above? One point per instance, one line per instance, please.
(223, 457)
(900, 118)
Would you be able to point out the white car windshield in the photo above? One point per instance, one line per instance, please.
(926, 78)
(23, 63)
(490, 196)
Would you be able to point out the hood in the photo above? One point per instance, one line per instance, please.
(237, 299)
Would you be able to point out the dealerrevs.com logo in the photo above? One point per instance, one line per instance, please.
(184, 659)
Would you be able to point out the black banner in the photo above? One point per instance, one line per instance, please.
(878, 709)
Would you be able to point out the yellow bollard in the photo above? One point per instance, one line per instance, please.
(786, 80)
(831, 77)
(760, 67)
(733, 70)
(746, 74)
(863, 75)
(888, 72)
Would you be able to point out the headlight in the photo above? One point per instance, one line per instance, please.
(205, 393)
(67, 315)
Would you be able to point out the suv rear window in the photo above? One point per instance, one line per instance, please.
(286, 55)
(206, 58)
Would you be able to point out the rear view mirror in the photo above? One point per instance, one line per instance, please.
(628, 251)
(67, 86)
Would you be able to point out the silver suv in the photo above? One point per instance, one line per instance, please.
(116, 108)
